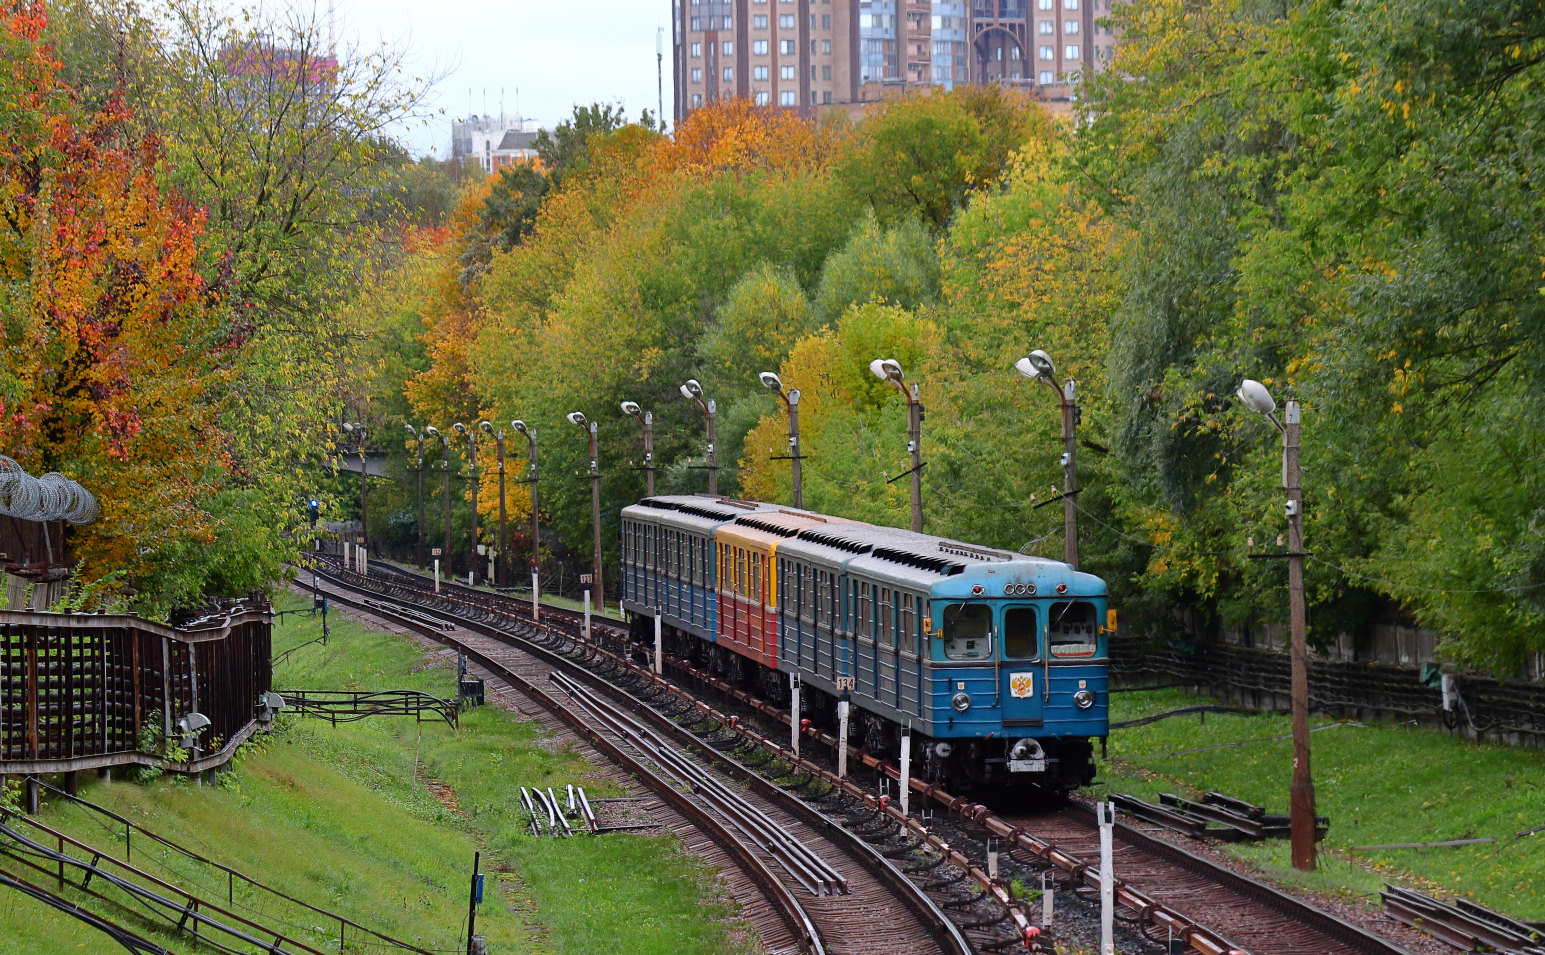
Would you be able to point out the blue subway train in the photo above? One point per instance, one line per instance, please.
(996, 661)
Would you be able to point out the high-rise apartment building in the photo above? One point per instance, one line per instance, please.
(811, 54)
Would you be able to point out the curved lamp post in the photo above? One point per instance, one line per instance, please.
(460, 428)
(645, 418)
(445, 466)
(499, 574)
(580, 422)
(418, 436)
(773, 383)
(1038, 366)
(888, 369)
(691, 389)
(355, 427)
(1301, 795)
(536, 528)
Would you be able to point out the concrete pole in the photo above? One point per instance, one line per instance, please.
(906, 768)
(595, 519)
(1069, 473)
(649, 450)
(842, 737)
(915, 445)
(420, 563)
(1107, 816)
(500, 575)
(713, 454)
(794, 713)
(659, 647)
(799, 484)
(445, 465)
(1301, 795)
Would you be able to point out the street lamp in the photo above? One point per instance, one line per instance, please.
(645, 418)
(536, 536)
(499, 575)
(445, 465)
(460, 428)
(790, 401)
(350, 428)
(1038, 366)
(691, 389)
(419, 437)
(888, 369)
(595, 500)
(1301, 795)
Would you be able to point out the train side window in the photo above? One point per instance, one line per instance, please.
(967, 631)
(823, 603)
(807, 599)
(865, 610)
(1071, 629)
(1021, 636)
(887, 631)
(908, 625)
(756, 577)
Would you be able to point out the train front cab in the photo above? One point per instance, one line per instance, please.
(1012, 657)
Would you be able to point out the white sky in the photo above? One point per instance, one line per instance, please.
(556, 54)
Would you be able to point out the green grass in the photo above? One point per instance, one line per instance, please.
(1378, 784)
(343, 818)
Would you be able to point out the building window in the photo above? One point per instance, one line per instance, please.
(826, 73)
(763, 97)
(786, 72)
(815, 98)
(1047, 28)
(826, 21)
(729, 48)
(1014, 53)
(813, 72)
(729, 74)
(759, 47)
(1047, 53)
(786, 47)
(729, 22)
(759, 72)
(697, 24)
(826, 47)
(1046, 4)
(1070, 52)
(786, 98)
(785, 21)
(1070, 4)
(697, 74)
(759, 22)
(1048, 77)
(697, 49)
(826, 97)
(697, 100)
(1070, 26)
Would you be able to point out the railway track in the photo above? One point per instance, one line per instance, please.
(1165, 893)
(819, 888)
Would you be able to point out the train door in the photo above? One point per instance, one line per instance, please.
(1023, 669)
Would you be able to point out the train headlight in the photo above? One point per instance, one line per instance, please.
(961, 702)
(1083, 699)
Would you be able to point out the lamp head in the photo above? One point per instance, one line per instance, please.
(691, 389)
(1256, 397)
(1037, 364)
(348, 427)
(459, 428)
(519, 425)
(486, 426)
(432, 431)
(771, 382)
(576, 418)
(411, 430)
(630, 408)
(886, 369)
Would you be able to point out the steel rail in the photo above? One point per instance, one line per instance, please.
(789, 910)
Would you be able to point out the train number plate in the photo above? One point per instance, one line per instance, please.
(1027, 765)
(844, 683)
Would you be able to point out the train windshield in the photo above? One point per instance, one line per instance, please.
(967, 631)
(1072, 631)
(1021, 637)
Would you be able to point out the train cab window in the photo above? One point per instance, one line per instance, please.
(1072, 631)
(1021, 637)
(967, 631)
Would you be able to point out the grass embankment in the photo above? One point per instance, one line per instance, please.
(1378, 784)
(345, 819)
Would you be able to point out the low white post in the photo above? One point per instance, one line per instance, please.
(346, 548)
(1046, 896)
(659, 648)
(906, 767)
(490, 576)
(1107, 815)
(437, 575)
(471, 576)
(992, 859)
(794, 713)
(587, 613)
(536, 598)
(364, 562)
(842, 739)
